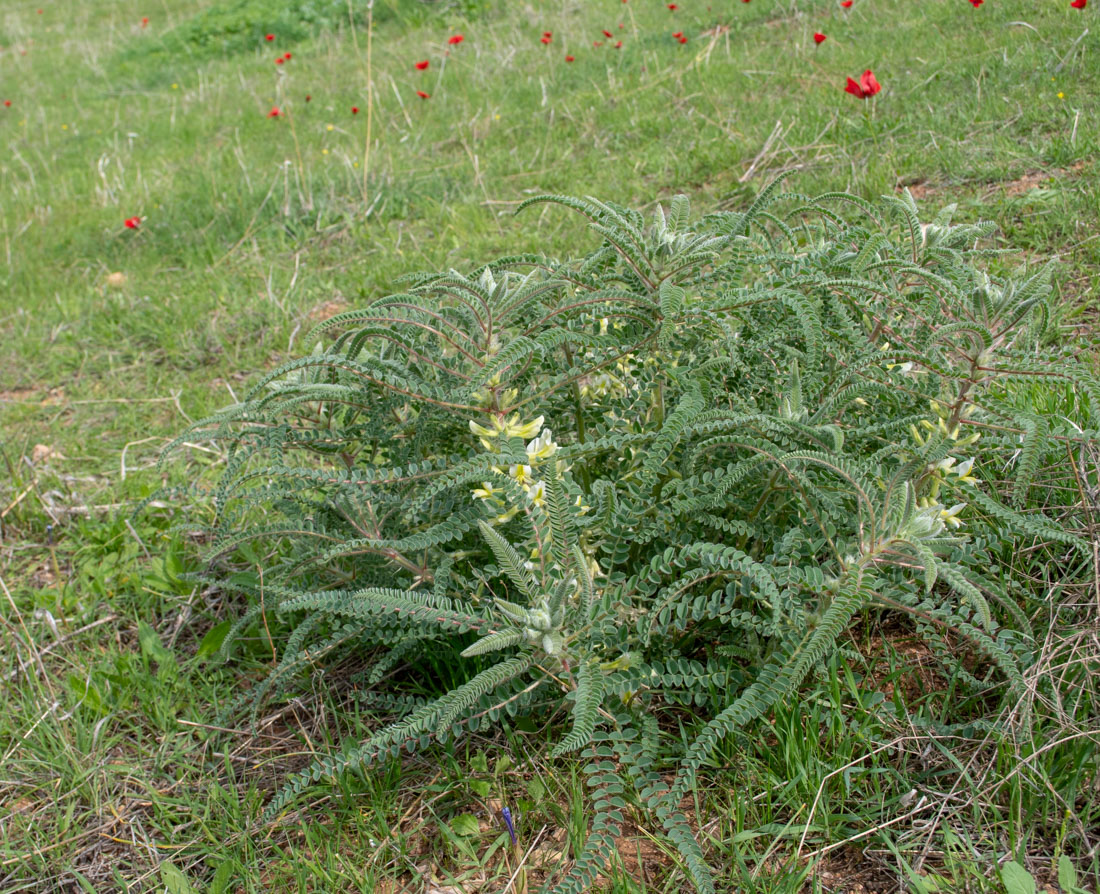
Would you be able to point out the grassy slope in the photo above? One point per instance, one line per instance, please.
(255, 226)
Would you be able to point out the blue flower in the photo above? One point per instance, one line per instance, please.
(507, 814)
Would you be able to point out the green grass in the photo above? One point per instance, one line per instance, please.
(110, 768)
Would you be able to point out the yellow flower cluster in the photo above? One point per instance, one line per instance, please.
(501, 427)
(539, 450)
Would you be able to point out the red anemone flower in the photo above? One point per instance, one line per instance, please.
(422, 94)
(274, 113)
(420, 66)
(355, 110)
(1079, 4)
(819, 38)
(607, 33)
(570, 58)
(866, 86)
(132, 223)
(455, 39)
(269, 37)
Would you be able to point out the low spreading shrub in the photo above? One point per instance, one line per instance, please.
(670, 472)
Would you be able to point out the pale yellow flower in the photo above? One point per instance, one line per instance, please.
(542, 447)
(484, 492)
(537, 493)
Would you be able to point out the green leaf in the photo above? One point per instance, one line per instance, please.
(219, 884)
(1067, 875)
(213, 640)
(152, 648)
(465, 825)
(1017, 880)
(175, 882)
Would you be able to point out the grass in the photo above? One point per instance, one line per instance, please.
(112, 771)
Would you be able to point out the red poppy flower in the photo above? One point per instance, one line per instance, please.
(144, 21)
(846, 3)
(866, 86)
(570, 58)
(279, 61)
(7, 103)
(607, 33)
(673, 7)
(274, 113)
(355, 110)
(545, 39)
(1079, 4)
(976, 3)
(619, 45)
(455, 39)
(308, 97)
(286, 56)
(132, 223)
(422, 94)
(683, 40)
(597, 43)
(420, 66)
(677, 34)
(269, 37)
(547, 33)
(819, 38)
